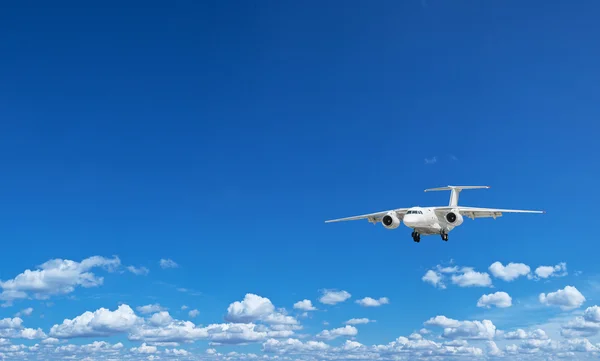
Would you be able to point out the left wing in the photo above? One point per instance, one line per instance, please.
(373, 217)
(474, 212)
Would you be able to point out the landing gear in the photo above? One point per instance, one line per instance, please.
(416, 237)
(444, 237)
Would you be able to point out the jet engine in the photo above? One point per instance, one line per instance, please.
(390, 220)
(454, 218)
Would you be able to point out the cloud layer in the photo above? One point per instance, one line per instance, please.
(151, 331)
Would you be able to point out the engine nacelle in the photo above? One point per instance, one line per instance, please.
(454, 217)
(390, 220)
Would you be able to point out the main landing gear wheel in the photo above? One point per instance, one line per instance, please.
(445, 237)
(416, 237)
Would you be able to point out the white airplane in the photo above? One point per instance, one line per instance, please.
(433, 220)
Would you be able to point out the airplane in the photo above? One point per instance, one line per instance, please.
(428, 221)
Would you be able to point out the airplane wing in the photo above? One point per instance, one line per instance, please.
(373, 217)
(475, 212)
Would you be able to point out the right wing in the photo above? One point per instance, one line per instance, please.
(373, 217)
(475, 212)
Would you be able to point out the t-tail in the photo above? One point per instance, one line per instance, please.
(455, 192)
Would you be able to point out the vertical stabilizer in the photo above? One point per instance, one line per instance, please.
(455, 192)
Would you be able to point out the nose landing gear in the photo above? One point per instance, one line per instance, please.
(416, 237)
(444, 237)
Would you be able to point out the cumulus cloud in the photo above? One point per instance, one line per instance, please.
(26, 312)
(147, 309)
(567, 299)
(162, 330)
(291, 346)
(346, 331)
(498, 299)
(473, 330)
(141, 271)
(470, 278)
(332, 297)
(358, 321)
(433, 278)
(102, 322)
(560, 270)
(493, 349)
(460, 276)
(304, 305)
(520, 334)
(252, 308)
(186, 331)
(510, 272)
(145, 349)
(371, 302)
(256, 308)
(193, 313)
(583, 326)
(56, 277)
(167, 263)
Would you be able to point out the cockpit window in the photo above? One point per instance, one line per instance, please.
(414, 212)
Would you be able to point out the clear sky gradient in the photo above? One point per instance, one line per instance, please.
(222, 134)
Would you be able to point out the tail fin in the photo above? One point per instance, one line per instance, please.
(454, 192)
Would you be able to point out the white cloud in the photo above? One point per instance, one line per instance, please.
(498, 299)
(193, 313)
(51, 341)
(431, 160)
(162, 318)
(510, 272)
(358, 321)
(255, 320)
(252, 308)
(177, 352)
(292, 346)
(346, 331)
(167, 263)
(371, 302)
(583, 326)
(520, 334)
(55, 277)
(145, 349)
(147, 309)
(560, 270)
(102, 322)
(31, 334)
(470, 278)
(567, 299)
(460, 276)
(26, 312)
(141, 271)
(433, 278)
(332, 297)
(474, 330)
(256, 308)
(442, 321)
(493, 349)
(305, 305)
(186, 331)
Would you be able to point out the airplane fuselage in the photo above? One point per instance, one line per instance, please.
(426, 221)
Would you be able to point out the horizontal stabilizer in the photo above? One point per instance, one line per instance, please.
(449, 188)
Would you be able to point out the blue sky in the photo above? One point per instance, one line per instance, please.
(183, 156)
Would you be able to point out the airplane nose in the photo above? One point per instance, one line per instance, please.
(409, 220)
